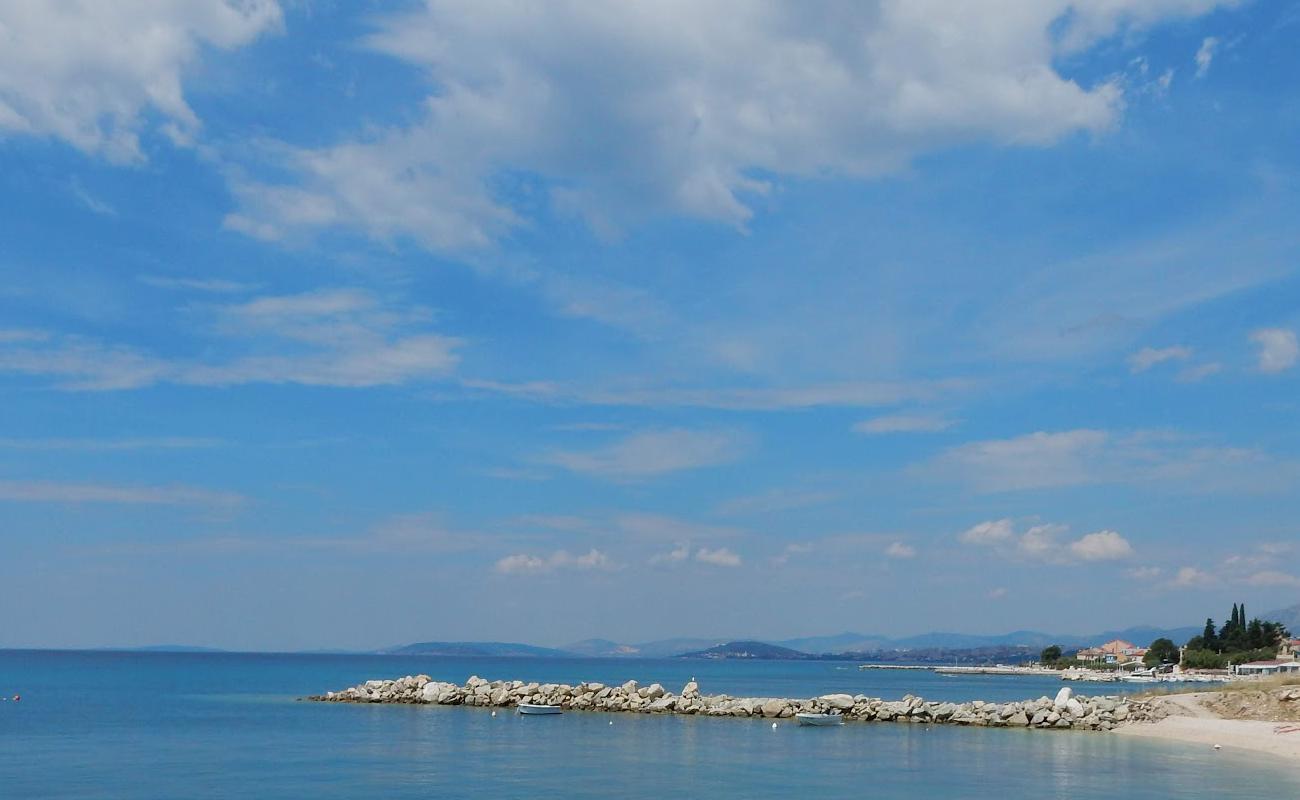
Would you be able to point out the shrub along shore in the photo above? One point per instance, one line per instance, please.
(1065, 711)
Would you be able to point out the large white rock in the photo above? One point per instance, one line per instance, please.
(1062, 697)
(843, 702)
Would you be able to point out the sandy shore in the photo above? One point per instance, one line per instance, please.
(1193, 720)
(1258, 737)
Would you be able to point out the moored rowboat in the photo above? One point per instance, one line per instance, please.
(532, 709)
(818, 720)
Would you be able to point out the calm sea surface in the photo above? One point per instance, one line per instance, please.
(143, 725)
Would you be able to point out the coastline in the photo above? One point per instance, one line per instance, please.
(1191, 718)
(1237, 734)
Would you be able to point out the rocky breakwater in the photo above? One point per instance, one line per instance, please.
(1066, 711)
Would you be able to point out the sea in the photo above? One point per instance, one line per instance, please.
(128, 725)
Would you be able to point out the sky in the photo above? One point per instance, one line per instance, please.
(343, 325)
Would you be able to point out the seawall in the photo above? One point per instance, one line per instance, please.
(1065, 711)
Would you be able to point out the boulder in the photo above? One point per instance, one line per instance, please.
(1062, 697)
(774, 707)
(840, 702)
(691, 690)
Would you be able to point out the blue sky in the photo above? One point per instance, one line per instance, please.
(344, 325)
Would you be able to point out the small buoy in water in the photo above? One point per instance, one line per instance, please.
(494, 713)
(17, 697)
(1218, 747)
(773, 726)
(611, 722)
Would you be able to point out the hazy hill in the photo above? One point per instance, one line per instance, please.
(1290, 617)
(479, 649)
(754, 650)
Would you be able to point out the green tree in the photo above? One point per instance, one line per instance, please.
(1050, 655)
(1209, 639)
(1162, 651)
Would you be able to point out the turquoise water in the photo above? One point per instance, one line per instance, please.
(136, 725)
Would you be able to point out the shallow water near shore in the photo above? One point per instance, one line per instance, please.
(152, 725)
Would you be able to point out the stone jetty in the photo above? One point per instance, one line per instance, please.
(1065, 711)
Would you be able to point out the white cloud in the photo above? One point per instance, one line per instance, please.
(652, 453)
(1278, 349)
(1205, 55)
(1041, 542)
(903, 423)
(1046, 542)
(1101, 546)
(997, 593)
(721, 557)
(1148, 357)
(991, 532)
(678, 554)
(1191, 577)
(335, 337)
(1274, 578)
(900, 550)
(79, 493)
(685, 104)
(94, 74)
(524, 563)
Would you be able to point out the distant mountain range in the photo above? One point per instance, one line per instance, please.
(933, 647)
(479, 649)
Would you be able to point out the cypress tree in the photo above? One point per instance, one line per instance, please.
(1209, 639)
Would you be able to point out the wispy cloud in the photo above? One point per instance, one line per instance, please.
(1274, 578)
(652, 453)
(853, 394)
(86, 493)
(1199, 372)
(335, 337)
(1032, 461)
(1191, 578)
(775, 500)
(92, 203)
(209, 285)
(1148, 357)
(1205, 55)
(903, 423)
(900, 550)
(1045, 460)
(93, 445)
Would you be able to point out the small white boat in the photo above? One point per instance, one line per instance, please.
(536, 709)
(818, 720)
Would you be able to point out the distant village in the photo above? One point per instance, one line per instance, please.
(1239, 647)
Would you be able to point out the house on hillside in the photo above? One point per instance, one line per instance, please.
(1290, 648)
(1116, 651)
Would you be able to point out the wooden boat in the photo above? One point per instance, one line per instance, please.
(532, 709)
(818, 720)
